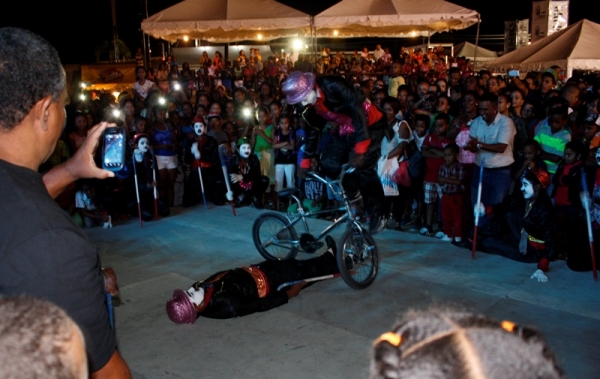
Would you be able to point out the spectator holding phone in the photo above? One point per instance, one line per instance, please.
(43, 252)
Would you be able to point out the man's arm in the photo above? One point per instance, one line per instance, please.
(493, 147)
(80, 166)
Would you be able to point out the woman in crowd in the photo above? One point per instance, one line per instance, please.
(164, 143)
(262, 141)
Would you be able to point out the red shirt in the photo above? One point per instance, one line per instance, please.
(434, 164)
(562, 191)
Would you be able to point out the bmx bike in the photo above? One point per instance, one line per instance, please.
(276, 238)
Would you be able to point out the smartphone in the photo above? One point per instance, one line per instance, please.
(513, 73)
(113, 156)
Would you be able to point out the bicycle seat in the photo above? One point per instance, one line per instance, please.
(288, 192)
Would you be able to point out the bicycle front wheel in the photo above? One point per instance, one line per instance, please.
(274, 237)
(357, 258)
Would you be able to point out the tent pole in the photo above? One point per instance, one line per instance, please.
(313, 37)
(476, 41)
(428, 40)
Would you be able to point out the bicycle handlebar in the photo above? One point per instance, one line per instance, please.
(346, 168)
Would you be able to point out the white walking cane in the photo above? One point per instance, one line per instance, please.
(137, 190)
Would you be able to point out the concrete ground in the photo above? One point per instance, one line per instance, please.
(326, 331)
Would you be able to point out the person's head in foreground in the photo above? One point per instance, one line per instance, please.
(452, 344)
(39, 340)
(32, 97)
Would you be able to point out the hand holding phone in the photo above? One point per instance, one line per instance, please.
(113, 155)
(513, 73)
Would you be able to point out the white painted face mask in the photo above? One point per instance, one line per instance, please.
(199, 128)
(245, 151)
(196, 296)
(143, 145)
(527, 189)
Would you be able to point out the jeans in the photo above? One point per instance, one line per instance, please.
(495, 185)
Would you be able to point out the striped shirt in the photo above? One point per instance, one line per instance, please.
(552, 143)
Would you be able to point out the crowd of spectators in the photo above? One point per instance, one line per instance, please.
(449, 119)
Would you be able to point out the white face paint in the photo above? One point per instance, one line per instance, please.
(245, 150)
(196, 296)
(199, 128)
(527, 189)
(310, 98)
(143, 145)
(598, 154)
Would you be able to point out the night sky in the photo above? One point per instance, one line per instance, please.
(76, 38)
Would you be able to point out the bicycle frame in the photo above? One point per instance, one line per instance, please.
(338, 190)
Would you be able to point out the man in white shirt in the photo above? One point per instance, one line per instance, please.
(492, 136)
(378, 53)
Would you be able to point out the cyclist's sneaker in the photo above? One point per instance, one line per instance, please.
(425, 231)
(330, 245)
(258, 203)
(377, 224)
(349, 262)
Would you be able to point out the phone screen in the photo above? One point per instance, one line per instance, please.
(114, 149)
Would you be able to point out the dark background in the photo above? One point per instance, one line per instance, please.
(77, 28)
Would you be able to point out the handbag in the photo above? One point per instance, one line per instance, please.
(385, 170)
(402, 174)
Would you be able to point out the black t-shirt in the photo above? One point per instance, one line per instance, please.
(285, 156)
(44, 254)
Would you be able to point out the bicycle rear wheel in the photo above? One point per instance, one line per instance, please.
(357, 258)
(274, 238)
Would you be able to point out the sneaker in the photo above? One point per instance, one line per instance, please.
(439, 235)
(445, 238)
(377, 224)
(425, 231)
(331, 248)
(349, 262)
(258, 203)
(108, 224)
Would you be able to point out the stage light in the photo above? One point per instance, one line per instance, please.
(259, 36)
(335, 32)
(186, 38)
(297, 44)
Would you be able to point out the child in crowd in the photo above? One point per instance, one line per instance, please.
(396, 79)
(591, 131)
(84, 202)
(433, 151)
(567, 187)
(78, 136)
(419, 134)
(531, 158)
(451, 178)
(285, 157)
(553, 137)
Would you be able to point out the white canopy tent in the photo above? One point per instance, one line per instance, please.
(573, 48)
(392, 18)
(467, 50)
(236, 20)
(479, 57)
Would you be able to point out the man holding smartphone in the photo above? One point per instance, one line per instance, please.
(43, 253)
